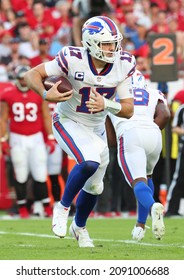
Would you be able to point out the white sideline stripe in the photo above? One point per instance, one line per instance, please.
(102, 240)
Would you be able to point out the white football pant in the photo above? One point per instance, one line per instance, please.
(28, 155)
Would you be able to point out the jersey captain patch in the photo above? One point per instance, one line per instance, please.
(79, 76)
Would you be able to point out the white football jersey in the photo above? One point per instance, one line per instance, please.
(145, 102)
(76, 64)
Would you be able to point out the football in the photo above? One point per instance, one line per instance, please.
(63, 87)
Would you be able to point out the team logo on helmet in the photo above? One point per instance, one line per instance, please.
(93, 28)
(99, 30)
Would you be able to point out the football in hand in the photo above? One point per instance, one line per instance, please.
(62, 87)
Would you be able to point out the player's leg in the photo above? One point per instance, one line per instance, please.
(157, 210)
(54, 166)
(77, 141)
(86, 201)
(76, 179)
(176, 188)
(38, 168)
(19, 158)
(133, 161)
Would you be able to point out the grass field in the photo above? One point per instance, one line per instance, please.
(33, 239)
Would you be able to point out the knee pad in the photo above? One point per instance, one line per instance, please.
(18, 156)
(38, 164)
(20, 165)
(89, 167)
(94, 185)
(95, 189)
(39, 154)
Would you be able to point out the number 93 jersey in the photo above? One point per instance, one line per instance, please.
(76, 64)
(25, 110)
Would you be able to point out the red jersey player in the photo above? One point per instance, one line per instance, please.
(23, 114)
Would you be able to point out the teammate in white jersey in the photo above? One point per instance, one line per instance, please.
(139, 145)
(97, 71)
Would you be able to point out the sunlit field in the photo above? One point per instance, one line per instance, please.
(33, 239)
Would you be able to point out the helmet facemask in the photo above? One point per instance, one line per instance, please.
(19, 77)
(21, 86)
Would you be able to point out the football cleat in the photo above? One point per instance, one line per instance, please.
(59, 220)
(81, 235)
(138, 233)
(157, 213)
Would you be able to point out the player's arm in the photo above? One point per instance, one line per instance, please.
(76, 24)
(126, 97)
(76, 30)
(47, 121)
(123, 109)
(177, 125)
(162, 115)
(178, 130)
(4, 115)
(34, 79)
(111, 135)
(127, 108)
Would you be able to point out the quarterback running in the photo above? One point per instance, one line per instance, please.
(97, 71)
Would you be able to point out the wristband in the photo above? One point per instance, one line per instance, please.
(50, 137)
(112, 106)
(44, 94)
(4, 138)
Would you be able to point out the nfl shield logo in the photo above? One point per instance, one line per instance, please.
(99, 79)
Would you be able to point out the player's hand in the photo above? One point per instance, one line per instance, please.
(5, 148)
(51, 144)
(53, 95)
(96, 102)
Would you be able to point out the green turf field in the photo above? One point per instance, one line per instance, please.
(33, 240)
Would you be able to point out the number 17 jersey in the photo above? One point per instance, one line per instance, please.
(76, 64)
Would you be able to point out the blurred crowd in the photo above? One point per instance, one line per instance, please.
(33, 31)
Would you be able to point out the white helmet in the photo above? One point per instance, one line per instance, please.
(138, 80)
(98, 30)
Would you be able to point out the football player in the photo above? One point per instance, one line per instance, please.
(54, 165)
(23, 113)
(96, 71)
(139, 142)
